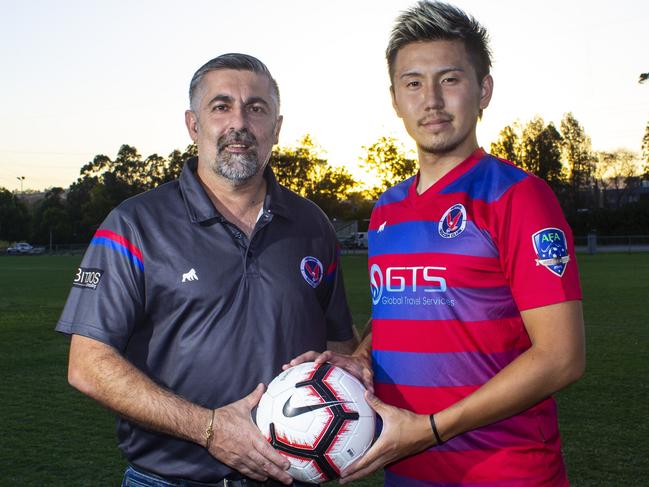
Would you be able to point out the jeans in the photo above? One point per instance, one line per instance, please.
(138, 478)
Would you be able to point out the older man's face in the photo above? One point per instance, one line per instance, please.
(234, 123)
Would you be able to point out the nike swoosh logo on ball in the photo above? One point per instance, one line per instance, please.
(290, 411)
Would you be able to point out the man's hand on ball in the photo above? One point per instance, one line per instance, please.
(357, 365)
(238, 443)
(404, 433)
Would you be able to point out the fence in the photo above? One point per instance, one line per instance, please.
(597, 243)
(588, 244)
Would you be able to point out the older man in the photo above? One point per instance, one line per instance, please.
(192, 295)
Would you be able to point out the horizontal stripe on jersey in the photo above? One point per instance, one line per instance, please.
(444, 369)
(448, 335)
(528, 466)
(398, 239)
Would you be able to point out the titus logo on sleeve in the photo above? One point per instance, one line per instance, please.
(87, 278)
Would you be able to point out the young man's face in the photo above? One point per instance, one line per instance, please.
(436, 92)
(234, 123)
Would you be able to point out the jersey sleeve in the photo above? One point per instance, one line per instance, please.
(536, 246)
(335, 306)
(107, 295)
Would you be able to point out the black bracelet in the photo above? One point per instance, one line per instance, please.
(435, 432)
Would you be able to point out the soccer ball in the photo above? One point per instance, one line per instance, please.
(317, 417)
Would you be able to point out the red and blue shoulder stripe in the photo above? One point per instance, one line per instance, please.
(112, 240)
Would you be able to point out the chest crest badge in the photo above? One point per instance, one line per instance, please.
(312, 271)
(453, 222)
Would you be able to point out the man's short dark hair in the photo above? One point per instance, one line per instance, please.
(233, 60)
(433, 21)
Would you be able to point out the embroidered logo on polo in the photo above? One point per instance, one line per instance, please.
(312, 271)
(87, 278)
(190, 275)
(453, 221)
(551, 249)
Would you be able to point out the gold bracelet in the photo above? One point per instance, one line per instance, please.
(209, 432)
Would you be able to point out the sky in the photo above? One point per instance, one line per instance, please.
(82, 77)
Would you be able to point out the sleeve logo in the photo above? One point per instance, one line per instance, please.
(87, 278)
(551, 249)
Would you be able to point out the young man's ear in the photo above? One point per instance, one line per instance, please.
(486, 90)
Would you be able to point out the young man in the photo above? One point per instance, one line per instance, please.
(476, 315)
(192, 295)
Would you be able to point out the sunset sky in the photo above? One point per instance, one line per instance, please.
(80, 78)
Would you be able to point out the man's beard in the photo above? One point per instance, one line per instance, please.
(443, 147)
(237, 168)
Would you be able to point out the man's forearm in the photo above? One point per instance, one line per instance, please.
(364, 349)
(100, 372)
(555, 360)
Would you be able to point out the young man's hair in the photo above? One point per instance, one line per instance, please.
(236, 61)
(433, 21)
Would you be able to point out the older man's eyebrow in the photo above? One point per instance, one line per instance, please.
(256, 99)
(221, 98)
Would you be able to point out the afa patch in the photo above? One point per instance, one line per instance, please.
(87, 278)
(551, 248)
(312, 271)
(453, 221)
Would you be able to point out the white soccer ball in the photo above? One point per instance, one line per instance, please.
(317, 417)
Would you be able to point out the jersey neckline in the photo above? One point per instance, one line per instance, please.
(462, 168)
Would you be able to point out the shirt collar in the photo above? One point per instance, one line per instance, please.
(200, 208)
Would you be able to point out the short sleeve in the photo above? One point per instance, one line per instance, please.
(107, 295)
(536, 246)
(336, 308)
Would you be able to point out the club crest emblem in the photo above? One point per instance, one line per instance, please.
(453, 222)
(312, 271)
(551, 249)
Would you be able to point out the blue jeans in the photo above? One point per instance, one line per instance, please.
(139, 478)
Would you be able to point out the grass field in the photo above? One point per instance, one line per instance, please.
(51, 435)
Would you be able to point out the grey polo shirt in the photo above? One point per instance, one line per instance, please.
(201, 309)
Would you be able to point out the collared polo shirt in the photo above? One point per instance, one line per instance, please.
(201, 309)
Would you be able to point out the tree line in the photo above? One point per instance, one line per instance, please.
(593, 187)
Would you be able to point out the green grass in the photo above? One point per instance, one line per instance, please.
(53, 435)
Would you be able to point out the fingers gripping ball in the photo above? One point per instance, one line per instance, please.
(316, 415)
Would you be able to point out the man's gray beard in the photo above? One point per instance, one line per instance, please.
(237, 168)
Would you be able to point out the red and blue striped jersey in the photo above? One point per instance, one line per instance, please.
(450, 271)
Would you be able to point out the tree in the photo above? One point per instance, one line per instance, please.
(14, 217)
(50, 218)
(304, 169)
(176, 161)
(387, 160)
(645, 151)
(536, 147)
(508, 145)
(541, 151)
(331, 186)
(617, 171)
(577, 153)
(295, 167)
